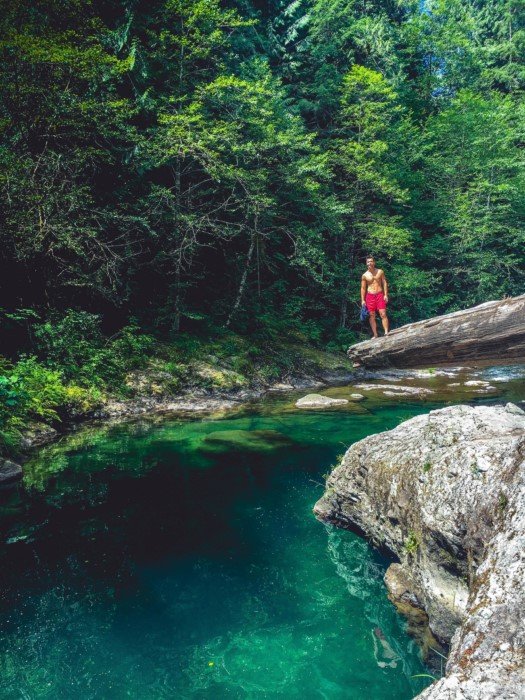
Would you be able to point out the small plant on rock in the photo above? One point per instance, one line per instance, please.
(412, 543)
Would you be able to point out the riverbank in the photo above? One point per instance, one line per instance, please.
(208, 387)
(433, 386)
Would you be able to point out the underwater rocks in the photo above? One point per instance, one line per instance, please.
(245, 441)
(319, 401)
(445, 493)
(10, 473)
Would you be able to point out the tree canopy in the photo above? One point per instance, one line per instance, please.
(204, 163)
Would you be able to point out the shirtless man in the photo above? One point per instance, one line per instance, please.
(374, 294)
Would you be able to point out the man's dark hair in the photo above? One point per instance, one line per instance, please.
(369, 256)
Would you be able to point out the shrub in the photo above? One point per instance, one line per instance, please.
(411, 543)
(74, 345)
(69, 342)
(28, 391)
(342, 339)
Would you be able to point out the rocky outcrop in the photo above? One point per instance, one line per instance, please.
(10, 473)
(490, 331)
(445, 493)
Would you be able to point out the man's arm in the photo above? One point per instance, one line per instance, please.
(385, 288)
(363, 290)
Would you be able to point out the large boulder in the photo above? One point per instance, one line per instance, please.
(445, 493)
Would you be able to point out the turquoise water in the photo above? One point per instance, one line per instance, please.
(180, 559)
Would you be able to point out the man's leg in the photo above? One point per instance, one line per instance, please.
(384, 321)
(373, 324)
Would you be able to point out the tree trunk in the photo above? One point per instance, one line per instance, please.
(243, 281)
(494, 331)
(343, 313)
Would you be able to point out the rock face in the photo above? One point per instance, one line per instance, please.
(319, 401)
(10, 473)
(445, 493)
(490, 331)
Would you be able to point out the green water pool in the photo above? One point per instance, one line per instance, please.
(180, 559)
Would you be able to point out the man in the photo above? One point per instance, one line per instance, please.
(374, 294)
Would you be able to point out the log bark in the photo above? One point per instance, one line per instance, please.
(494, 331)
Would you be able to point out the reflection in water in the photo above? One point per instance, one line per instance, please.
(355, 564)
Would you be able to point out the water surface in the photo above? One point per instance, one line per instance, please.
(180, 559)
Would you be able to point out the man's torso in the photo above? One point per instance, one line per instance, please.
(374, 281)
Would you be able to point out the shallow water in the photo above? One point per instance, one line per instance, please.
(180, 559)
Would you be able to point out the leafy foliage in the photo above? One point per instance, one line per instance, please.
(175, 169)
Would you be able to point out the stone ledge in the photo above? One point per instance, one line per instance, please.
(445, 493)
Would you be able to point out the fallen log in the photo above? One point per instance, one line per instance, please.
(494, 331)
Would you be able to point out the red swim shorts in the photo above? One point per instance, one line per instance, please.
(375, 302)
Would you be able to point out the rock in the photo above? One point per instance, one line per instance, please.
(307, 383)
(357, 397)
(400, 586)
(512, 408)
(445, 493)
(10, 472)
(38, 434)
(245, 441)
(395, 390)
(319, 401)
(281, 386)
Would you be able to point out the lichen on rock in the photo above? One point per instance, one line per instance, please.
(445, 493)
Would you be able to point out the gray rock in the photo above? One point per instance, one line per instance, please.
(357, 397)
(10, 472)
(396, 389)
(281, 386)
(38, 434)
(319, 401)
(445, 492)
(306, 383)
(512, 408)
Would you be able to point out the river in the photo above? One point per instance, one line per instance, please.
(179, 558)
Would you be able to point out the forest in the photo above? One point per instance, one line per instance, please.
(192, 177)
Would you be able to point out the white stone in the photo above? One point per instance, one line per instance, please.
(319, 401)
(395, 389)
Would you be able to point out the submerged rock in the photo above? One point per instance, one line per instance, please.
(245, 441)
(318, 401)
(445, 493)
